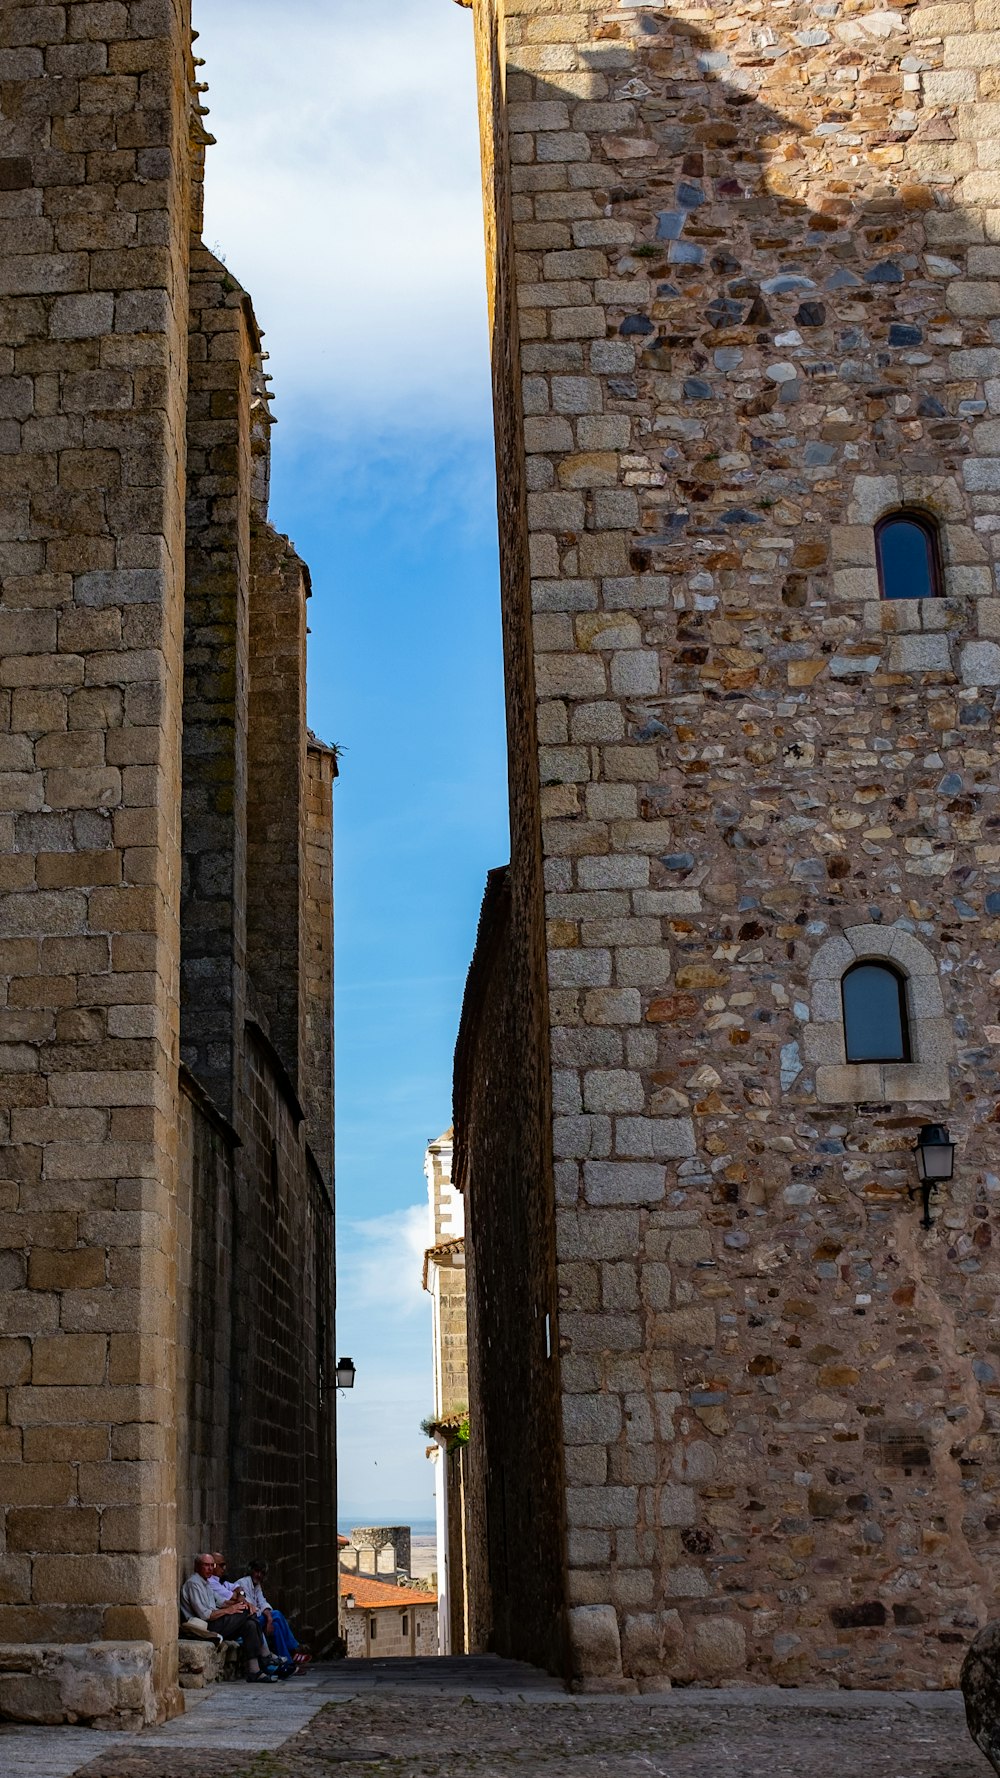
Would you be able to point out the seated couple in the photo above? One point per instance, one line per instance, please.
(210, 1606)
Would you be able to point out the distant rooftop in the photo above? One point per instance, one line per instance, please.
(381, 1595)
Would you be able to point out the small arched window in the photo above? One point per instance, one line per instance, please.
(876, 1028)
(909, 556)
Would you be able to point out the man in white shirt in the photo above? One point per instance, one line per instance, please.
(234, 1622)
(273, 1623)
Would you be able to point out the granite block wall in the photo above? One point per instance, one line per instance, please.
(515, 1501)
(317, 979)
(753, 266)
(282, 1470)
(209, 1156)
(94, 178)
(276, 815)
(132, 1260)
(223, 346)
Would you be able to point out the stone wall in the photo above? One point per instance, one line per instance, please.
(451, 1346)
(758, 298)
(255, 1391)
(514, 1493)
(444, 1279)
(93, 308)
(282, 1501)
(166, 1243)
(205, 1209)
(378, 1549)
(276, 818)
(317, 982)
(223, 345)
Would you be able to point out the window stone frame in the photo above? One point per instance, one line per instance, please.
(965, 574)
(839, 1082)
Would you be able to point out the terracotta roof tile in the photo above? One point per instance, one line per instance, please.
(375, 1595)
(440, 1254)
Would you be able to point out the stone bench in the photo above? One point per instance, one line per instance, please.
(107, 1685)
(203, 1663)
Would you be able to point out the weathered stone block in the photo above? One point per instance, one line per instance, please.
(623, 1182)
(980, 663)
(589, 1419)
(920, 654)
(719, 1647)
(107, 1684)
(595, 1642)
(688, 1327)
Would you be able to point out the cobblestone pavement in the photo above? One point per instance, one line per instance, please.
(432, 1719)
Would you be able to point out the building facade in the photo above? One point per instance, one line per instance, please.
(745, 308)
(384, 1621)
(166, 1279)
(444, 1280)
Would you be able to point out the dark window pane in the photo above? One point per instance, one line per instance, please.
(906, 561)
(875, 1015)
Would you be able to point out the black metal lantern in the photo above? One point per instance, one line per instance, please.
(346, 1373)
(935, 1152)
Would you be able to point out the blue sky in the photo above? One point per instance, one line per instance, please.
(344, 194)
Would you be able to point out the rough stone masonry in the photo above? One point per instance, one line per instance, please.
(744, 269)
(166, 1270)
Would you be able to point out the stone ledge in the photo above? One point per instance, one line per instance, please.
(884, 1083)
(107, 1685)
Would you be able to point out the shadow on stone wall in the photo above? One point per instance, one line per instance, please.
(746, 330)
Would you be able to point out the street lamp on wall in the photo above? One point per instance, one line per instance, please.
(935, 1152)
(346, 1373)
(350, 1601)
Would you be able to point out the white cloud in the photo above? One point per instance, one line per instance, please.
(382, 1265)
(344, 194)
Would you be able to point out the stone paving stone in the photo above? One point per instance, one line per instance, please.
(44, 1753)
(494, 1719)
(679, 1735)
(220, 1730)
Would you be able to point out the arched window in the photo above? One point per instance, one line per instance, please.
(875, 1023)
(908, 555)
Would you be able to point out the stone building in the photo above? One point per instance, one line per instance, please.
(382, 1620)
(166, 1213)
(376, 1550)
(738, 1403)
(444, 1280)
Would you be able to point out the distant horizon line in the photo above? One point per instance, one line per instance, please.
(412, 1521)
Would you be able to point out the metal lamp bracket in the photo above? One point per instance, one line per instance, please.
(925, 1188)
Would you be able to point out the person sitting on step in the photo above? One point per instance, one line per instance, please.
(221, 1587)
(274, 1624)
(234, 1621)
(276, 1635)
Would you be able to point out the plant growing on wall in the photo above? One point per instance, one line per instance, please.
(455, 1429)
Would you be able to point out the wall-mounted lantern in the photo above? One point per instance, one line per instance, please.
(346, 1373)
(935, 1152)
(350, 1601)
